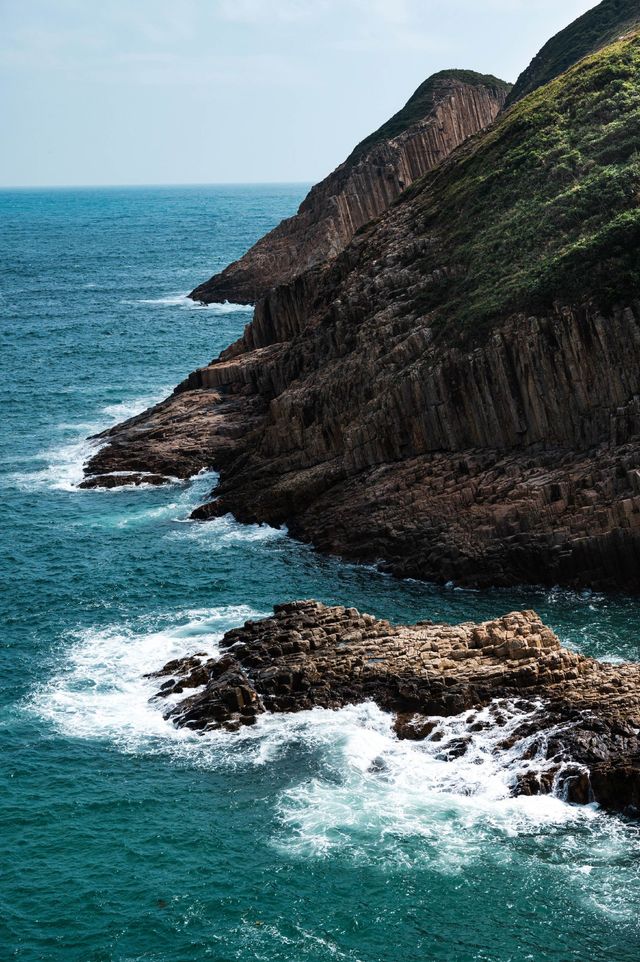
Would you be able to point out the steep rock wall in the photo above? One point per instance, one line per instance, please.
(391, 408)
(515, 462)
(359, 190)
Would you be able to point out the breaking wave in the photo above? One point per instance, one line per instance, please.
(184, 301)
(102, 693)
(219, 533)
(60, 467)
(355, 790)
(369, 777)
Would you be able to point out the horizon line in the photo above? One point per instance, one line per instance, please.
(219, 183)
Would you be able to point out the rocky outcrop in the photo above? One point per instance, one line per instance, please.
(132, 479)
(443, 399)
(445, 111)
(582, 726)
(517, 462)
(594, 30)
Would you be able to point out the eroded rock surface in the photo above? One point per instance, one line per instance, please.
(427, 403)
(444, 112)
(583, 718)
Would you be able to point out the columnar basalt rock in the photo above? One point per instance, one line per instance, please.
(448, 109)
(584, 717)
(415, 402)
(517, 462)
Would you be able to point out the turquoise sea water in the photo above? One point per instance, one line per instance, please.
(312, 837)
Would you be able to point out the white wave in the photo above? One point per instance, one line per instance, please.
(63, 470)
(377, 799)
(219, 533)
(127, 487)
(190, 494)
(400, 789)
(370, 777)
(102, 692)
(63, 463)
(356, 789)
(184, 301)
(134, 518)
(585, 598)
(123, 410)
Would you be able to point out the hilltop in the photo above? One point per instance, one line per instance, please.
(446, 110)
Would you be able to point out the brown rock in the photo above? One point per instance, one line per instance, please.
(446, 110)
(357, 410)
(584, 716)
(119, 480)
(208, 511)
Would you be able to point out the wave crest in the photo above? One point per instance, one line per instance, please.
(184, 301)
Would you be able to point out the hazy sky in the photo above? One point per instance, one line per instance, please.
(205, 91)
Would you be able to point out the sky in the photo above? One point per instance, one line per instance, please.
(232, 91)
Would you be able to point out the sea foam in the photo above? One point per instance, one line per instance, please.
(102, 691)
(355, 790)
(182, 300)
(62, 464)
(218, 534)
(368, 775)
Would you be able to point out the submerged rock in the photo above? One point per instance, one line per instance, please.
(583, 721)
(120, 480)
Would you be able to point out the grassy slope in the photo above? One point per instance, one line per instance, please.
(544, 208)
(421, 104)
(594, 30)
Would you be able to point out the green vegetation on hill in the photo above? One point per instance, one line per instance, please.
(594, 30)
(544, 209)
(421, 103)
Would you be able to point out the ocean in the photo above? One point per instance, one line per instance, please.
(311, 837)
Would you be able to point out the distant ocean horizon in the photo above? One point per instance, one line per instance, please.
(306, 184)
(307, 838)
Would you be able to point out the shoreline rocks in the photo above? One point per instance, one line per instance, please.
(583, 718)
(426, 403)
(133, 479)
(529, 475)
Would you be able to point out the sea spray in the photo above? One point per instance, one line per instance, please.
(311, 837)
(63, 463)
(186, 303)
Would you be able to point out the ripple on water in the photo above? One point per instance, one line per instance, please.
(361, 793)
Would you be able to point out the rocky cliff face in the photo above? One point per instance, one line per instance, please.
(577, 720)
(517, 462)
(457, 395)
(445, 111)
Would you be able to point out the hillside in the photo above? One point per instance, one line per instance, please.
(594, 30)
(542, 210)
(456, 395)
(446, 109)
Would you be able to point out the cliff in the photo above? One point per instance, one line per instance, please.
(445, 110)
(595, 29)
(457, 395)
(574, 722)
